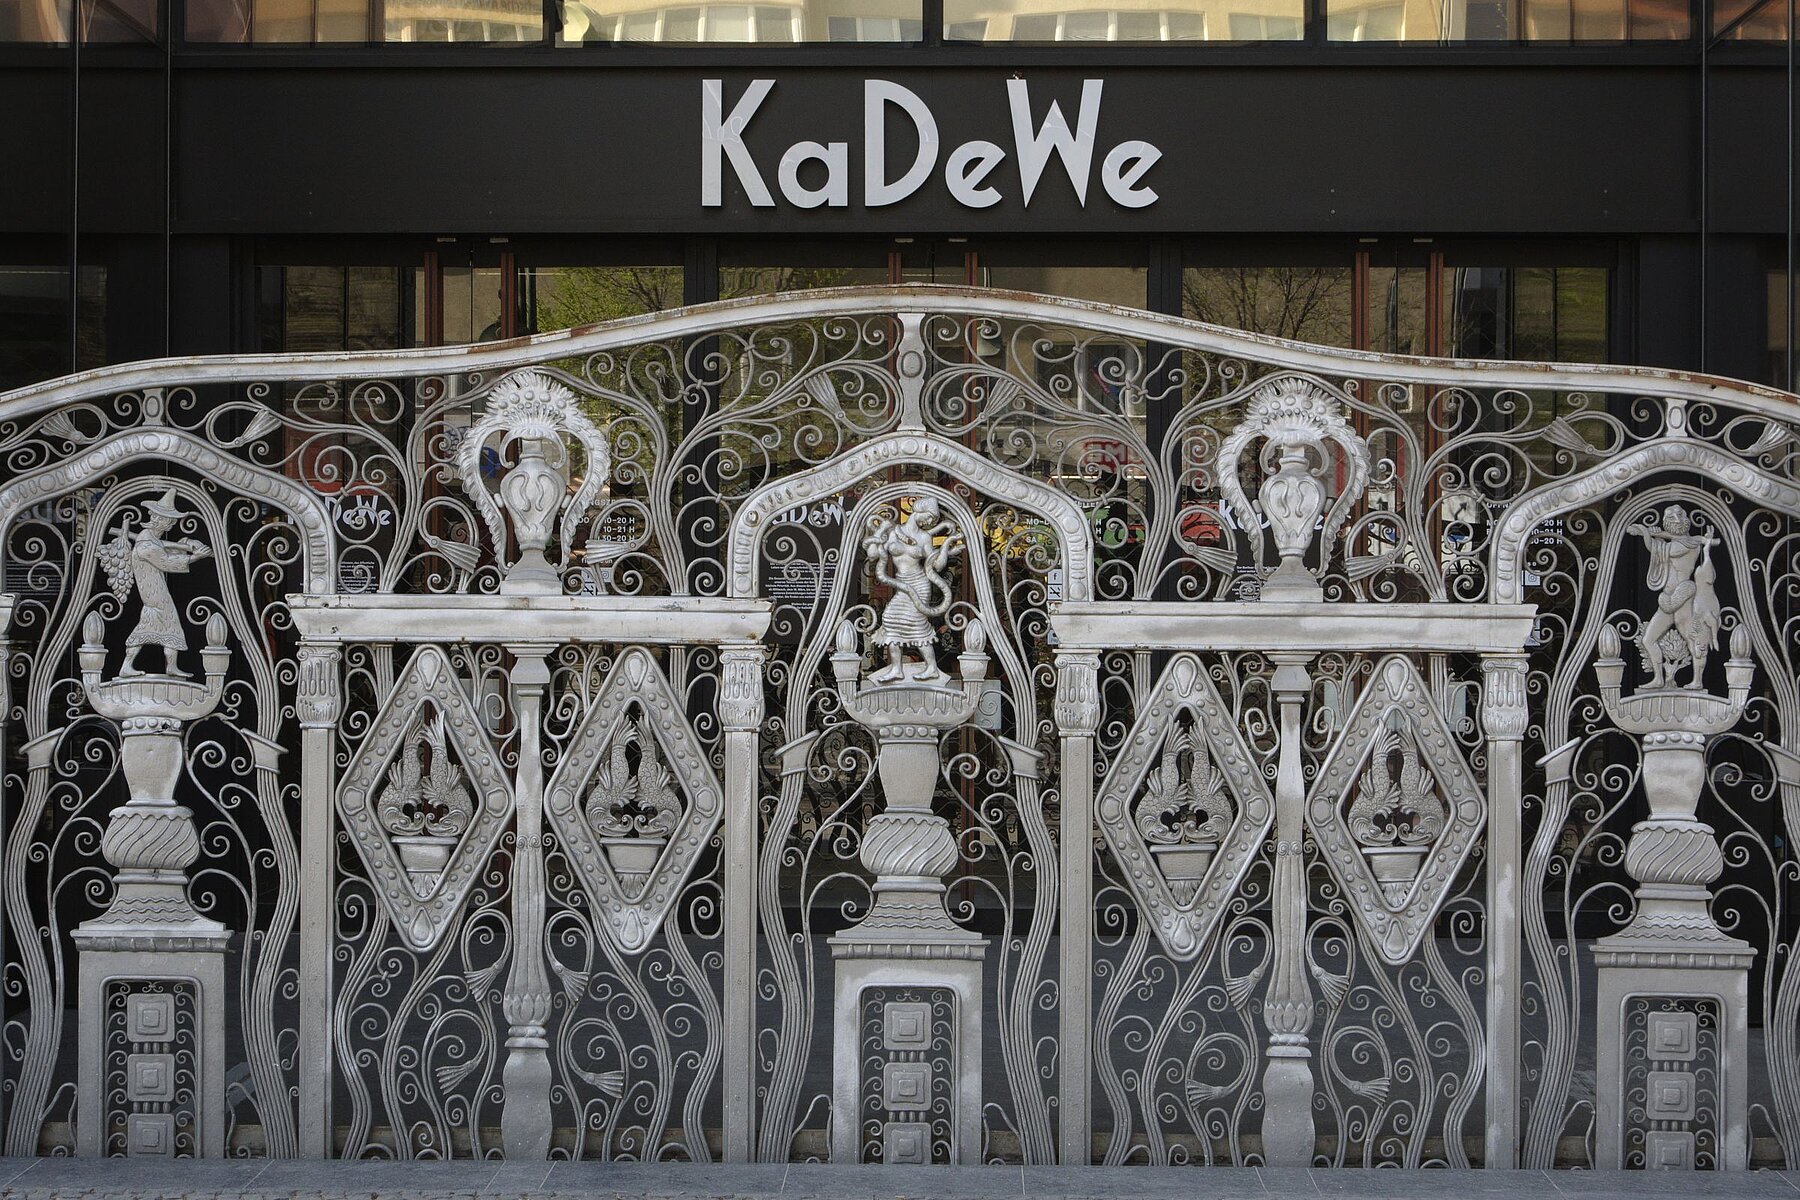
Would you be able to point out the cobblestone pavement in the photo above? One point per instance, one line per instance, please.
(44, 1179)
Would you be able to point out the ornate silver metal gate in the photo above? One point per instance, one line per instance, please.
(902, 725)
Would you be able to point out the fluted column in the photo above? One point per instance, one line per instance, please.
(1077, 716)
(525, 1114)
(1505, 718)
(741, 717)
(319, 705)
(1288, 1132)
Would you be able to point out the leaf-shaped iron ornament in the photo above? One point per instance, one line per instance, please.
(538, 415)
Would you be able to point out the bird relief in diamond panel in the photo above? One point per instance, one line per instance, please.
(1395, 809)
(425, 800)
(1184, 808)
(635, 800)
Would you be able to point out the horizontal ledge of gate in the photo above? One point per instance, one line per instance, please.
(672, 620)
(1291, 625)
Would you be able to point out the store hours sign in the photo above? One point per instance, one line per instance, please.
(978, 173)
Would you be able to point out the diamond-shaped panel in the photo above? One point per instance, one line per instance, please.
(636, 688)
(428, 679)
(1395, 915)
(1184, 923)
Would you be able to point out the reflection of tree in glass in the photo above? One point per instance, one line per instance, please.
(763, 281)
(566, 297)
(1310, 304)
(571, 296)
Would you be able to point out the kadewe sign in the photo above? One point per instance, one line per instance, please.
(1038, 149)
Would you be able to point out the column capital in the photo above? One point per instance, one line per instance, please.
(531, 668)
(318, 701)
(741, 705)
(1292, 679)
(1077, 691)
(1505, 712)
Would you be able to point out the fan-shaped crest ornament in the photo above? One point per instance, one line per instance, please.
(538, 414)
(1304, 433)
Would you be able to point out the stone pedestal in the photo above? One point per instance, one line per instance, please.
(906, 1035)
(1671, 1056)
(152, 1046)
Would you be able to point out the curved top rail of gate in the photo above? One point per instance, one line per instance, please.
(701, 320)
(1151, 441)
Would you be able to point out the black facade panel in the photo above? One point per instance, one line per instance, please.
(34, 145)
(121, 148)
(122, 143)
(205, 304)
(1255, 149)
(1668, 286)
(1748, 160)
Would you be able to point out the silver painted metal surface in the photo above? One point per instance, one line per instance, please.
(923, 726)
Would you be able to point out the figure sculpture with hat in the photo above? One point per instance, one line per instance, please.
(146, 561)
(1686, 623)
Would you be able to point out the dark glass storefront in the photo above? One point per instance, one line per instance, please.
(1549, 305)
(1621, 195)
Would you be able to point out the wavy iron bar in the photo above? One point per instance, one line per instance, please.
(903, 725)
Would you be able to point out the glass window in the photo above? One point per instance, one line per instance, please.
(34, 21)
(1194, 20)
(474, 298)
(1398, 319)
(565, 297)
(1506, 20)
(1779, 327)
(102, 21)
(1089, 26)
(1308, 304)
(34, 323)
(1125, 286)
(736, 281)
(601, 21)
(875, 29)
(1542, 314)
(746, 269)
(1750, 20)
(305, 309)
(323, 21)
